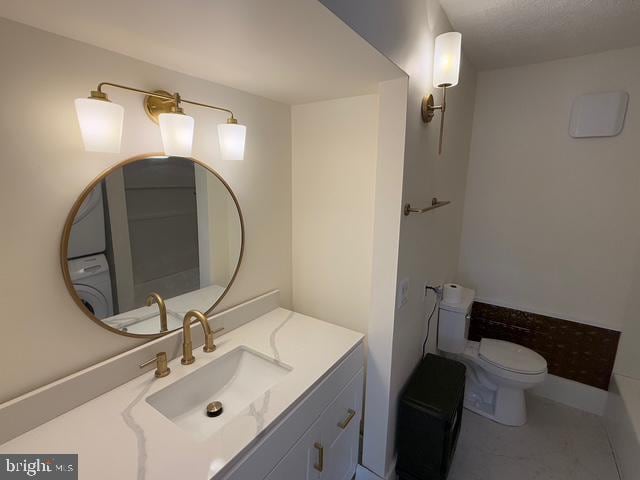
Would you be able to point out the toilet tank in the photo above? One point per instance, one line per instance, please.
(453, 327)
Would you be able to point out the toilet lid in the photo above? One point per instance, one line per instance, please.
(511, 356)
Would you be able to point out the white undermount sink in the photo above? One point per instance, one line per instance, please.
(237, 379)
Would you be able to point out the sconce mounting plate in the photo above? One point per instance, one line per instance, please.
(154, 106)
(428, 110)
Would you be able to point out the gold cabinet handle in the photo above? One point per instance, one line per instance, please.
(343, 424)
(320, 465)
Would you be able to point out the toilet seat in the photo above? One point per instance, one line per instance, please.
(511, 357)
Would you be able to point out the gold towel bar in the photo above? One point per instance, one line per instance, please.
(435, 203)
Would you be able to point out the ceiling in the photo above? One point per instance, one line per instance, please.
(504, 33)
(293, 51)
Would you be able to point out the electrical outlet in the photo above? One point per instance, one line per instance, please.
(403, 293)
(437, 288)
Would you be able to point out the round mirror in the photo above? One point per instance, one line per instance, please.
(150, 239)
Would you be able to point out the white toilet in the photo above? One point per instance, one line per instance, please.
(498, 372)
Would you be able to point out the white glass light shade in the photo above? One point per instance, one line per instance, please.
(446, 59)
(232, 137)
(100, 124)
(177, 134)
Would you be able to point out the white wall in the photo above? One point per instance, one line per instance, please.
(44, 168)
(334, 158)
(428, 246)
(628, 359)
(347, 185)
(386, 245)
(551, 223)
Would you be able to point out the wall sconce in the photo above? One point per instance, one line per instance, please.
(101, 123)
(446, 73)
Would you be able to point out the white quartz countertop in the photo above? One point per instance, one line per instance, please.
(118, 435)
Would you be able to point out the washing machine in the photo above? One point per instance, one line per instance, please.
(88, 231)
(92, 281)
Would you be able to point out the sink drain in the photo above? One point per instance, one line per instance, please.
(214, 409)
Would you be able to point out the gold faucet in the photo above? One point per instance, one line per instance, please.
(187, 346)
(155, 297)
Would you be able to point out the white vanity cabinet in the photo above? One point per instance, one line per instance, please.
(329, 449)
(319, 438)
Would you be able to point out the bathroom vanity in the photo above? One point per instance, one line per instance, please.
(291, 388)
(277, 396)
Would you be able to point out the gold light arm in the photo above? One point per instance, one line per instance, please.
(191, 102)
(443, 109)
(176, 97)
(101, 85)
(429, 109)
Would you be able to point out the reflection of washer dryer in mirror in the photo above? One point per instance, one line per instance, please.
(92, 283)
(88, 232)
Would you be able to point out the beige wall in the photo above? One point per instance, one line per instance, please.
(44, 168)
(552, 223)
(404, 31)
(333, 172)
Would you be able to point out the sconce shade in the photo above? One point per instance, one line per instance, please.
(446, 60)
(177, 134)
(100, 124)
(232, 138)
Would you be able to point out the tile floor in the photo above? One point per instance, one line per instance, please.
(557, 443)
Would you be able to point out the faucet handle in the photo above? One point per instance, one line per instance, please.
(209, 346)
(162, 369)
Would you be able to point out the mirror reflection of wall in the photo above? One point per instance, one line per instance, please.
(166, 225)
(218, 240)
(155, 248)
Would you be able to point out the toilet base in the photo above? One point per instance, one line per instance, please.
(505, 405)
(493, 392)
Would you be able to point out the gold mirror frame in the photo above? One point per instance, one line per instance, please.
(66, 233)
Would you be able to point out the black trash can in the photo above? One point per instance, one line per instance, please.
(429, 419)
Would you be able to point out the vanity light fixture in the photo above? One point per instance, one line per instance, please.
(446, 73)
(101, 123)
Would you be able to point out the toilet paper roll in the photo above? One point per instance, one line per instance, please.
(452, 293)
